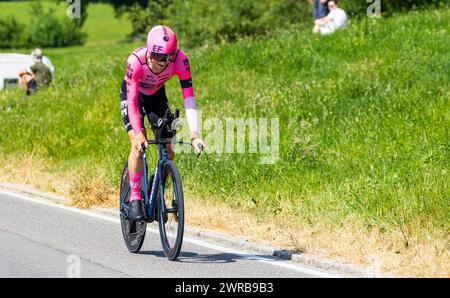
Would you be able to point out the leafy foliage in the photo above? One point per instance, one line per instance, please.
(44, 29)
(11, 33)
(207, 21)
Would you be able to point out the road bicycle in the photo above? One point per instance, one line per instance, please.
(162, 195)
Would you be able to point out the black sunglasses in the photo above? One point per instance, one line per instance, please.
(161, 57)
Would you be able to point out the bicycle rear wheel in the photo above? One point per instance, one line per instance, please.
(133, 232)
(171, 212)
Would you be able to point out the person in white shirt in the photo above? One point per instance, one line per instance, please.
(337, 18)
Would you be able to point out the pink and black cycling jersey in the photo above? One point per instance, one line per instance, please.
(140, 78)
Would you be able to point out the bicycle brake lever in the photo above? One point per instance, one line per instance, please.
(200, 147)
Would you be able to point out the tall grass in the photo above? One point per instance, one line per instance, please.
(364, 121)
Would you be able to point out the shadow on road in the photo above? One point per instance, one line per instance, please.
(192, 257)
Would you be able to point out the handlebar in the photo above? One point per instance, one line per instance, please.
(200, 147)
(167, 120)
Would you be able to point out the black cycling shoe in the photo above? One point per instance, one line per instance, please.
(136, 213)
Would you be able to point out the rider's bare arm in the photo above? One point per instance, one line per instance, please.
(184, 74)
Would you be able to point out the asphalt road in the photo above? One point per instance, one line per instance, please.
(43, 239)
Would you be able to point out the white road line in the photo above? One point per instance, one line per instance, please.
(244, 255)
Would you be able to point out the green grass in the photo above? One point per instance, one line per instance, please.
(103, 28)
(21, 9)
(364, 122)
(101, 25)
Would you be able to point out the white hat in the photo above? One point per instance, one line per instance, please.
(37, 54)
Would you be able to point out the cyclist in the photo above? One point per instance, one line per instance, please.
(143, 92)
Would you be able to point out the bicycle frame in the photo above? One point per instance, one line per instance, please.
(150, 199)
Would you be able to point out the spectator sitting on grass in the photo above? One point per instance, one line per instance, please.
(337, 18)
(35, 76)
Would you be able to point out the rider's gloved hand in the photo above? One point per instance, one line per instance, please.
(196, 141)
(138, 141)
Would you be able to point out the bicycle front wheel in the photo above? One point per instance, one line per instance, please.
(171, 212)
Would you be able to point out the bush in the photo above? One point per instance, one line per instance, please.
(43, 30)
(205, 21)
(11, 33)
(47, 31)
(388, 7)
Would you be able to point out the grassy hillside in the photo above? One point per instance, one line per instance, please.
(101, 26)
(364, 121)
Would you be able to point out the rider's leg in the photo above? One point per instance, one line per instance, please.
(135, 170)
(136, 211)
(135, 173)
(170, 152)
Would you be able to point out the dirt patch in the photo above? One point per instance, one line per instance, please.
(83, 187)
